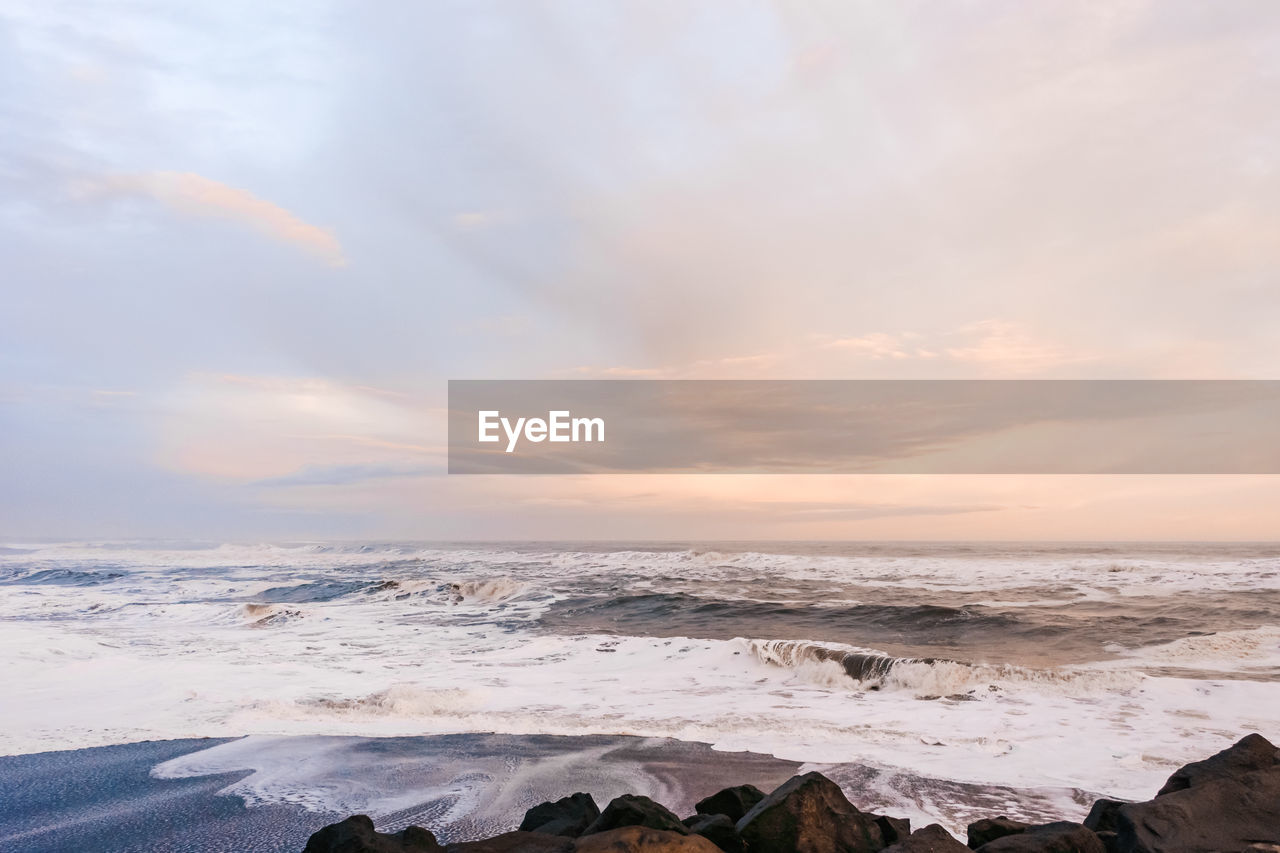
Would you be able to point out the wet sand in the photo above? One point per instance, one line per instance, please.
(104, 800)
(264, 793)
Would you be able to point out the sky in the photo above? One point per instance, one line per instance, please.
(244, 246)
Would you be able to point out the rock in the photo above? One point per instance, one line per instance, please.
(932, 839)
(990, 828)
(632, 810)
(516, 842)
(1102, 817)
(732, 802)
(1060, 837)
(1212, 815)
(894, 829)
(809, 814)
(568, 816)
(1111, 841)
(1229, 801)
(357, 835)
(639, 839)
(719, 830)
(1252, 752)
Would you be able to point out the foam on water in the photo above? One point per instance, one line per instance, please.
(408, 640)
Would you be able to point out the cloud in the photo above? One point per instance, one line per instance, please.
(343, 475)
(997, 346)
(854, 511)
(992, 348)
(280, 430)
(189, 193)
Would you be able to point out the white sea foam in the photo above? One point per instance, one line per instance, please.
(1230, 650)
(433, 641)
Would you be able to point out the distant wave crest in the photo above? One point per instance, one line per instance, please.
(928, 677)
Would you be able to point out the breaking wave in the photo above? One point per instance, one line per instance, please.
(929, 677)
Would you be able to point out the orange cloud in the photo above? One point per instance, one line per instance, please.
(195, 194)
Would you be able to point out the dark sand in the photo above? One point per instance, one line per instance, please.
(461, 787)
(104, 800)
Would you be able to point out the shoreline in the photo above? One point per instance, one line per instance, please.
(270, 793)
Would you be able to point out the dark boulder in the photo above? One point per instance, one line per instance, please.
(568, 816)
(932, 839)
(639, 839)
(894, 829)
(719, 830)
(1228, 801)
(357, 835)
(731, 802)
(516, 842)
(990, 828)
(1060, 837)
(1250, 753)
(1214, 815)
(809, 814)
(632, 810)
(1102, 817)
(1111, 841)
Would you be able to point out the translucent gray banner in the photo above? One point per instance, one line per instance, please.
(864, 427)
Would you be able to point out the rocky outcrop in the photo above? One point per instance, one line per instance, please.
(515, 842)
(894, 829)
(357, 835)
(717, 829)
(639, 839)
(632, 810)
(733, 802)
(1061, 837)
(809, 814)
(990, 828)
(1228, 803)
(568, 816)
(1102, 817)
(1250, 753)
(932, 839)
(1217, 815)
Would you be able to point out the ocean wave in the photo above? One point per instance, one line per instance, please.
(400, 700)
(929, 677)
(487, 590)
(667, 614)
(1250, 647)
(483, 590)
(313, 592)
(62, 577)
(266, 615)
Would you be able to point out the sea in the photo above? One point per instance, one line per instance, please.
(937, 679)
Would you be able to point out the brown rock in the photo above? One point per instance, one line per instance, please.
(719, 830)
(1060, 837)
(632, 810)
(1252, 752)
(809, 814)
(568, 816)
(894, 829)
(516, 842)
(1209, 817)
(1102, 817)
(357, 835)
(990, 828)
(733, 802)
(640, 839)
(932, 839)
